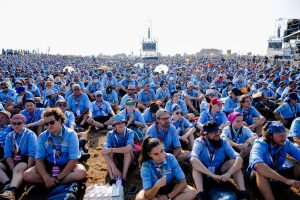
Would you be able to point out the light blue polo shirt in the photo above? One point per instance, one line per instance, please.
(219, 117)
(181, 103)
(288, 110)
(115, 140)
(239, 136)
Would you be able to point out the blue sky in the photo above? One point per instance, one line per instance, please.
(92, 27)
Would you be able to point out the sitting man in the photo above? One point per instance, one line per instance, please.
(57, 153)
(208, 158)
(184, 128)
(134, 120)
(167, 134)
(118, 146)
(267, 159)
(101, 111)
(249, 112)
(231, 102)
(145, 96)
(192, 98)
(150, 114)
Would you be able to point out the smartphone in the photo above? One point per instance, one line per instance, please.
(134, 190)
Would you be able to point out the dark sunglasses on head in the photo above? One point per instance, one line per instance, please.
(51, 123)
(17, 123)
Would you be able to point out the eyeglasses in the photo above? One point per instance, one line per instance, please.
(51, 123)
(48, 85)
(4, 87)
(131, 89)
(76, 89)
(17, 123)
(177, 113)
(164, 119)
(62, 105)
(99, 95)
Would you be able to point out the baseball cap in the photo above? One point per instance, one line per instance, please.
(20, 89)
(61, 100)
(118, 118)
(175, 107)
(109, 74)
(215, 101)
(236, 91)
(189, 84)
(209, 92)
(97, 92)
(209, 127)
(232, 116)
(49, 92)
(160, 112)
(5, 112)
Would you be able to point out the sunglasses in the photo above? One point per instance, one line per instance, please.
(177, 113)
(99, 95)
(17, 123)
(77, 89)
(51, 123)
(130, 104)
(62, 105)
(4, 87)
(164, 119)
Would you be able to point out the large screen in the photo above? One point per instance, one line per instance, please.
(149, 46)
(275, 45)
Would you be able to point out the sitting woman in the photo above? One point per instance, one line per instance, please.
(161, 174)
(19, 153)
(240, 137)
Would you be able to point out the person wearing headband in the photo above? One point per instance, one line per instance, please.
(267, 160)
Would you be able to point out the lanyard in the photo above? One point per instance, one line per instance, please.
(293, 111)
(33, 116)
(239, 133)
(99, 106)
(246, 114)
(15, 141)
(162, 139)
(158, 170)
(180, 124)
(117, 141)
(127, 116)
(211, 153)
(76, 100)
(56, 151)
(274, 158)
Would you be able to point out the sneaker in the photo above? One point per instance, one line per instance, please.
(201, 196)
(7, 195)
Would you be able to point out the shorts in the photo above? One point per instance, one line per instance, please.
(167, 188)
(49, 166)
(102, 119)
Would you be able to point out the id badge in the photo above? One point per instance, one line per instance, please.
(78, 113)
(55, 171)
(16, 158)
(212, 170)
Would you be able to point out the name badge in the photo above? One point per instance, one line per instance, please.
(17, 158)
(55, 171)
(78, 112)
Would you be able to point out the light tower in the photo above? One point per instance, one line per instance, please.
(149, 44)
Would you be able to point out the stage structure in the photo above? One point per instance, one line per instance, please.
(149, 48)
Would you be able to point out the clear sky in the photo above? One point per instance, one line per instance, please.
(91, 27)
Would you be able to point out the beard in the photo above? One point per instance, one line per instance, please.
(215, 143)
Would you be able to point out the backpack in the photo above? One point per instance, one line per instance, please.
(67, 191)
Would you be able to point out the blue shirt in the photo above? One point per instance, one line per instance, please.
(266, 92)
(111, 98)
(239, 136)
(26, 142)
(68, 146)
(100, 109)
(210, 156)
(151, 172)
(148, 116)
(193, 93)
(9, 95)
(81, 101)
(248, 115)
(295, 128)
(34, 90)
(181, 125)
(230, 104)
(51, 102)
(169, 138)
(219, 117)
(3, 132)
(263, 152)
(146, 97)
(181, 103)
(106, 82)
(125, 82)
(162, 94)
(93, 87)
(137, 116)
(34, 116)
(115, 140)
(70, 119)
(288, 110)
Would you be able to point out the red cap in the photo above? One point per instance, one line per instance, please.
(215, 101)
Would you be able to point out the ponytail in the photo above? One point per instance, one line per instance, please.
(148, 144)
